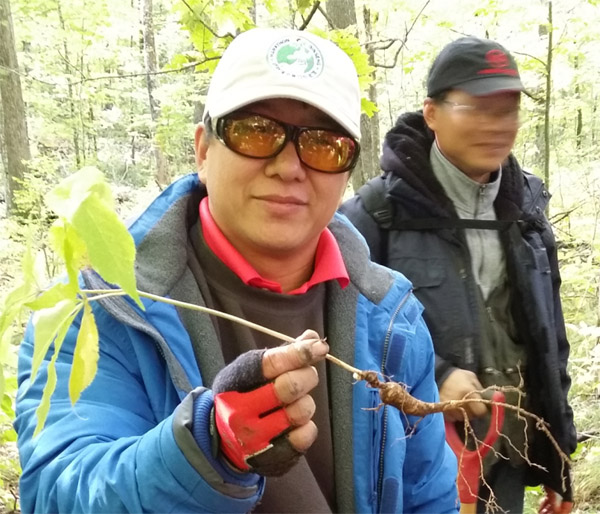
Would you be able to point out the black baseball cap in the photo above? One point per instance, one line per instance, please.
(478, 66)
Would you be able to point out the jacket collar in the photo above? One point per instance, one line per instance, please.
(405, 159)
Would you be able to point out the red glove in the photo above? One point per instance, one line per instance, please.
(262, 408)
(249, 422)
(554, 504)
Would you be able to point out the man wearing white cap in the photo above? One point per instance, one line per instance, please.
(191, 413)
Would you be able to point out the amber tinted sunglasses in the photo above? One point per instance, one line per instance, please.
(260, 137)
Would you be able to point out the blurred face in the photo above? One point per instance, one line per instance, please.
(475, 133)
(275, 206)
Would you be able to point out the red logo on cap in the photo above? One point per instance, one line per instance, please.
(497, 59)
(498, 62)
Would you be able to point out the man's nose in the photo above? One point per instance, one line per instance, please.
(287, 164)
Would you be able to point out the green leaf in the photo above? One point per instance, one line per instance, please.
(304, 5)
(111, 249)
(368, 107)
(47, 324)
(44, 406)
(16, 299)
(51, 297)
(68, 195)
(85, 357)
(66, 242)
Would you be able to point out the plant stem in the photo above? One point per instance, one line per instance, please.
(99, 294)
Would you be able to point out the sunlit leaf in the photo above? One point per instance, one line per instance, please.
(85, 357)
(111, 249)
(50, 297)
(16, 299)
(304, 5)
(66, 242)
(47, 324)
(368, 107)
(67, 196)
(44, 406)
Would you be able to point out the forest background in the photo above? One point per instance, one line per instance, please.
(119, 85)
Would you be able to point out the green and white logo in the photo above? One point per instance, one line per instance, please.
(297, 57)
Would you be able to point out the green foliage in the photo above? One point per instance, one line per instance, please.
(84, 202)
(85, 358)
(350, 44)
(87, 231)
(587, 476)
(207, 38)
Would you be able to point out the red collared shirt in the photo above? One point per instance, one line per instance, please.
(329, 264)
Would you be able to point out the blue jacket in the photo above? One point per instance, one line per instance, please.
(127, 445)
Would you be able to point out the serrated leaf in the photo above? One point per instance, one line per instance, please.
(47, 324)
(111, 249)
(85, 357)
(44, 406)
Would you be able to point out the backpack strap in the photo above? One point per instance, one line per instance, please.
(374, 197)
(376, 202)
(450, 223)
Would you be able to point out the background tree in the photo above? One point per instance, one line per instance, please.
(14, 123)
(342, 15)
(162, 173)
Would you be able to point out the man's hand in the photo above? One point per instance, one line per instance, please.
(459, 384)
(263, 411)
(554, 504)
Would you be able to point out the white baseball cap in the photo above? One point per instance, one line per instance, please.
(283, 63)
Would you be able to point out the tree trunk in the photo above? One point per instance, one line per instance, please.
(162, 175)
(16, 140)
(342, 14)
(72, 110)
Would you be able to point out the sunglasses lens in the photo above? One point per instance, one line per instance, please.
(253, 136)
(326, 151)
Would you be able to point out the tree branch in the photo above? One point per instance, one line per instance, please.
(206, 25)
(111, 77)
(403, 41)
(310, 16)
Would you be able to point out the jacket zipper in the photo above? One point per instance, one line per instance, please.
(386, 345)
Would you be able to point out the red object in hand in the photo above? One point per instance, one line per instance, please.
(248, 422)
(470, 460)
(553, 504)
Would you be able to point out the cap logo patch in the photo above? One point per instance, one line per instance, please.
(498, 62)
(296, 57)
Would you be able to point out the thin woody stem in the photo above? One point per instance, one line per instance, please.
(100, 294)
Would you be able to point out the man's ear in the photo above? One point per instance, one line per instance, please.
(430, 113)
(201, 149)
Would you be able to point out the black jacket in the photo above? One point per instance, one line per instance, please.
(415, 229)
